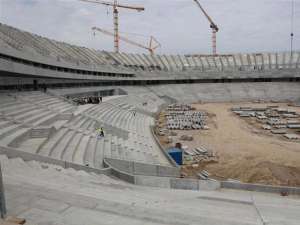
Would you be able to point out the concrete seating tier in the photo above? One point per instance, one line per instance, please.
(186, 93)
(36, 45)
(74, 140)
(242, 62)
(48, 194)
(140, 145)
(142, 104)
(154, 65)
(27, 122)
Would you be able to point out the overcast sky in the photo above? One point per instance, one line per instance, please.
(180, 27)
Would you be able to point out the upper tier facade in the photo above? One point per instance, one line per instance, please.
(30, 54)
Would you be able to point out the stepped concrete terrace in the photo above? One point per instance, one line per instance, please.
(36, 57)
(47, 194)
(49, 126)
(139, 145)
(208, 92)
(277, 91)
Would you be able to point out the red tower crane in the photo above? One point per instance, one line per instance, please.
(213, 26)
(115, 7)
(153, 43)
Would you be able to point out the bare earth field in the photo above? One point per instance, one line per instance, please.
(246, 152)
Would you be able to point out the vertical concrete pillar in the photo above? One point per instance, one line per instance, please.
(2, 197)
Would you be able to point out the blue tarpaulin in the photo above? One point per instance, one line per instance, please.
(176, 155)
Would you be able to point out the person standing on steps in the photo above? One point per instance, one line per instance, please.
(98, 131)
(101, 132)
(134, 112)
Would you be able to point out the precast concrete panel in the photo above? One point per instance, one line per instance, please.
(161, 60)
(204, 62)
(176, 62)
(133, 59)
(142, 58)
(166, 62)
(191, 62)
(139, 63)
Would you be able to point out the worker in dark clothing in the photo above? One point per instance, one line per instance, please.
(101, 132)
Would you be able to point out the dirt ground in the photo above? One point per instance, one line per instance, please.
(246, 152)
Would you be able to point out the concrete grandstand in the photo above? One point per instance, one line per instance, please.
(55, 169)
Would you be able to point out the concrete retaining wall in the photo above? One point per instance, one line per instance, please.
(161, 179)
(148, 181)
(170, 159)
(260, 187)
(145, 175)
(118, 173)
(136, 168)
(178, 183)
(184, 184)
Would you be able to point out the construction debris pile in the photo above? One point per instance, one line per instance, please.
(197, 154)
(194, 159)
(183, 117)
(277, 120)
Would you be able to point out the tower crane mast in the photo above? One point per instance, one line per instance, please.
(115, 5)
(213, 26)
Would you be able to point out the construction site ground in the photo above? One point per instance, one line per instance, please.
(244, 150)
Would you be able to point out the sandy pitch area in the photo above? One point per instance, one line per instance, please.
(245, 152)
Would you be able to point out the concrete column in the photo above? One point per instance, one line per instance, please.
(298, 60)
(2, 197)
(270, 62)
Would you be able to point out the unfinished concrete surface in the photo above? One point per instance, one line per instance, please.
(46, 194)
(52, 128)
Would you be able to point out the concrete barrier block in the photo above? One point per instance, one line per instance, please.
(209, 185)
(185, 184)
(260, 187)
(165, 171)
(145, 169)
(149, 181)
(123, 176)
(122, 165)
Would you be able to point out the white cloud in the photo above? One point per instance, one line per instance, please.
(245, 25)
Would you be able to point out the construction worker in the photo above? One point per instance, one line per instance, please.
(101, 132)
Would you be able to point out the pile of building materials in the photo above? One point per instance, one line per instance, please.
(198, 154)
(292, 136)
(183, 117)
(179, 107)
(277, 120)
(203, 175)
(186, 138)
